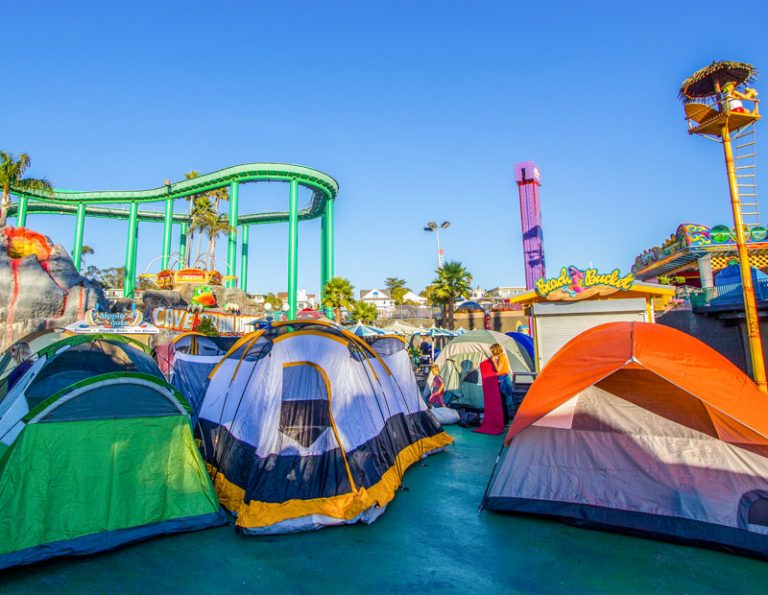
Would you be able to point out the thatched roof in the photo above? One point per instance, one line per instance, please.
(702, 83)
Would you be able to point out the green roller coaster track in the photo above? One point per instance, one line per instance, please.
(91, 204)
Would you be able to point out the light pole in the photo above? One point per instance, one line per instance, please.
(432, 226)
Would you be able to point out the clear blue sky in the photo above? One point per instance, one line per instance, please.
(418, 109)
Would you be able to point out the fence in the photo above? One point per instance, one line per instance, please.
(401, 312)
(725, 295)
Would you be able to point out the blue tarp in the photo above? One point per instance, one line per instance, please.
(728, 288)
(524, 341)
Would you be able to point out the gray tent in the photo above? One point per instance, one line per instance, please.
(641, 427)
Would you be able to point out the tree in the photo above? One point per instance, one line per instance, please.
(393, 283)
(207, 328)
(452, 282)
(12, 170)
(338, 294)
(111, 278)
(274, 301)
(215, 227)
(398, 293)
(201, 220)
(84, 251)
(219, 226)
(363, 312)
(204, 218)
(191, 175)
(429, 293)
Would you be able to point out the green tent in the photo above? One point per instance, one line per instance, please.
(459, 363)
(96, 450)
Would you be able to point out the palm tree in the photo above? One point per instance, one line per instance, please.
(394, 283)
(84, 251)
(453, 281)
(11, 176)
(219, 226)
(215, 228)
(338, 293)
(364, 312)
(201, 219)
(191, 175)
(397, 289)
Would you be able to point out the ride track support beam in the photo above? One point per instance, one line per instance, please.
(323, 267)
(129, 280)
(329, 240)
(167, 232)
(77, 249)
(293, 248)
(21, 215)
(326, 251)
(234, 188)
(183, 244)
(244, 258)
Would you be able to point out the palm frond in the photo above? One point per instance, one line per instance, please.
(38, 184)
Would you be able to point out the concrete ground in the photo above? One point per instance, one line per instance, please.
(431, 539)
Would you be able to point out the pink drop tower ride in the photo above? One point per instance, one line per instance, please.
(528, 180)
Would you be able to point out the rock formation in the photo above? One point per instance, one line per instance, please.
(39, 285)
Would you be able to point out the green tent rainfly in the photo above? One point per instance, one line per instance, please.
(96, 450)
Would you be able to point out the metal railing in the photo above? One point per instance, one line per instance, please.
(726, 295)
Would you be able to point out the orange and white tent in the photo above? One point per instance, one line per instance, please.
(641, 427)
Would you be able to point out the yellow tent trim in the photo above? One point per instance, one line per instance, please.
(344, 506)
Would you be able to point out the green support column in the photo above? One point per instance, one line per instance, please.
(21, 214)
(77, 250)
(328, 220)
(130, 251)
(323, 268)
(293, 248)
(183, 245)
(326, 252)
(232, 245)
(244, 259)
(167, 232)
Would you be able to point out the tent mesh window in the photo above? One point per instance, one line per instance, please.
(387, 346)
(304, 412)
(758, 512)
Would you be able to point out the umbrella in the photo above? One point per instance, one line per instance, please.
(705, 82)
(363, 330)
(400, 328)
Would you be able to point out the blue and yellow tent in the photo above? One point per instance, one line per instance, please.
(304, 425)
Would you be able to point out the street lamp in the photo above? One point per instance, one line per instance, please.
(432, 226)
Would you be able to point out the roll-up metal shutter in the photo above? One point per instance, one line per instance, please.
(558, 323)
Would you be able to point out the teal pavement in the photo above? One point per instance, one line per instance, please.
(431, 539)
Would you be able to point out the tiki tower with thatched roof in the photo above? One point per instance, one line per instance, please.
(717, 105)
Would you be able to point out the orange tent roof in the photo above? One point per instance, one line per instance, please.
(639, 361)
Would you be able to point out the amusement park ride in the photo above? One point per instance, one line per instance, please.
(323, 188)
(720, 107)
(528, 178)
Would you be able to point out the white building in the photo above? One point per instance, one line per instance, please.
(416, 299)
(379, 298)
(303, 299)
(477, 294)
(503, 293)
